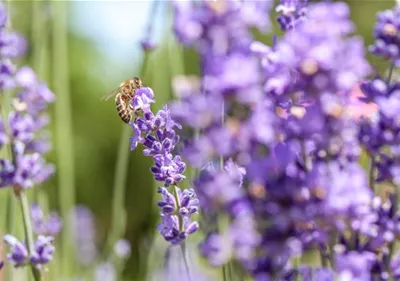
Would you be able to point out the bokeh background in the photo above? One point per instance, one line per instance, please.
(103, 49)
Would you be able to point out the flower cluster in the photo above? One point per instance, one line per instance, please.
(41, 254)
(22, 129)
(293, 13)
(283, 113)
(157, 134)
(45, 226)
(387, 35)
(25, 133)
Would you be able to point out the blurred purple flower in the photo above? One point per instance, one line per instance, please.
(29, 169)
(354, 266)
(317, 57)
(387, 35)
(85, 234)
(293, 13)
(45, 226)
(42, 252)
(122, 248)
(19, 253)
(105, 272)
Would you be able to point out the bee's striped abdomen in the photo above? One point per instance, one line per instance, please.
(122, 108)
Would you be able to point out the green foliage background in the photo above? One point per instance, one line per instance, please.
(97, 128)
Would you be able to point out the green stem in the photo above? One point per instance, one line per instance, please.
(121, 172)
(394, 211)
(371, 173)
(119, 186)
(39, 37)
(225, 267)
(178, 206)
(391, 68)
(185, 261)
(28, 230)
(64, 132)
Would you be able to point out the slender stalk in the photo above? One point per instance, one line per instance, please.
(28, 230)
(39, 37)
(64, 132)
(392, 244)
(183, 246)
(371, 172)
(306, 160)
(121, 172)
(390, 75)
(185, 260)
(225, 267)
(322, 258)
(178, 206)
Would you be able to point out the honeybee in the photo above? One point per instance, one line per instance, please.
(123, 97)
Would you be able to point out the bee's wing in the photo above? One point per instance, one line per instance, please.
(110, 95)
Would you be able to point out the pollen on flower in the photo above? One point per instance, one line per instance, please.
(233, 125)
(309, 67)
(218, 6)
(257, 190)
(390, 30)
(298, 111)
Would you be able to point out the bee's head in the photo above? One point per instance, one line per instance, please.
(137, 83)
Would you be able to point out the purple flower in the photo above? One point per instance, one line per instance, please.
(84, 234)
(12, 44)
(293, 13)
(395, 267)
(3, 16)
(340, 197)
(176, 211)
(148, 44)
(157, 134)
(387, 35)
(122, 248)
(354, 266)
(50, 226)
(105, 272)
(200, 111)
(43, 250)
(143, 98)
(7, 69)
(317, 57)
(29, 169)
(19, 253)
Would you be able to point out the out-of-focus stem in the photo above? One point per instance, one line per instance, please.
(392, 244)
(178, 206)
(371, 172)
(185, 260)
(39, 37)
(28, 229)
(9, 207)
(121, 172)
(64, 132)
(391, 68)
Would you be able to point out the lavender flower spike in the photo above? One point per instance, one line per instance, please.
(176, 211)
(157, 134)
(387, 35)
(19, 253)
